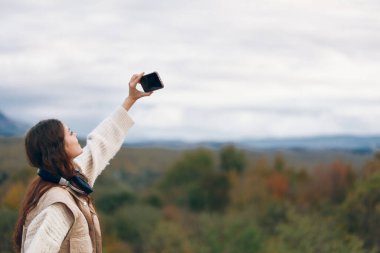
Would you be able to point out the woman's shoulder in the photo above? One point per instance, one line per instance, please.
(58, 194)
(55, 201)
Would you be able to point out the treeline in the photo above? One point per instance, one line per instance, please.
(212, 202)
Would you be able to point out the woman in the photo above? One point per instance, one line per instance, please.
(57, 214)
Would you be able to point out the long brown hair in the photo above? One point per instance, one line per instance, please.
(44, 146)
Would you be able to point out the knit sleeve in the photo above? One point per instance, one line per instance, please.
(48, 229)
(103, 143)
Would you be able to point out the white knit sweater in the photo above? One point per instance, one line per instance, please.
(49, 228)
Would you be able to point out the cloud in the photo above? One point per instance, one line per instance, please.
(231, 69)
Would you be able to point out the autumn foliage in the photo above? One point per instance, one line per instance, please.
(225, 200)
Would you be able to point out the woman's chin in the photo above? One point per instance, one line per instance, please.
(78, 154)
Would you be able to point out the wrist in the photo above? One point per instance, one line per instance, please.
(128, 102)
(131, 99)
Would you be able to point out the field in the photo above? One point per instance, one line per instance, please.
(222, 200)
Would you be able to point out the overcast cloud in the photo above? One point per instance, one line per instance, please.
(232, 69)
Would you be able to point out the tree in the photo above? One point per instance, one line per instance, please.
(132, 225)
(192, 181)
(361, 211)
(14, 195)
(211, 194)
(312, 233)
(232, 159)
(372, 166)
(110, 200)
(7, 224)
(279, 162)
(330, 183)
(227, 233)
(191, 167)
(278, 184)
(168, 237)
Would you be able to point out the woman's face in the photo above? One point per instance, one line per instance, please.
(72, 146)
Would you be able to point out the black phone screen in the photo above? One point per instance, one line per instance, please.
(151, 82)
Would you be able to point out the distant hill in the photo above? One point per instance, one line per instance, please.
(355, 144)
(10, 127)
(340, 142)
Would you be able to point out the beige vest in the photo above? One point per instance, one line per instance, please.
(84, 235)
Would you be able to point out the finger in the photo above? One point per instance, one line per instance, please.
(145, 94)
(135, 79)
(133, 82)
(138, 77)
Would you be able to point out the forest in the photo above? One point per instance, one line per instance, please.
(225, 200)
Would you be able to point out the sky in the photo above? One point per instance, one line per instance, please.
(232, 70)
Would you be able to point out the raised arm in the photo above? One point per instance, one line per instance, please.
(106, 139)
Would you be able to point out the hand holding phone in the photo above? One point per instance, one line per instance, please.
(151, 82)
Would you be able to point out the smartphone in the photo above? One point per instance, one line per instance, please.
(151, 82)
